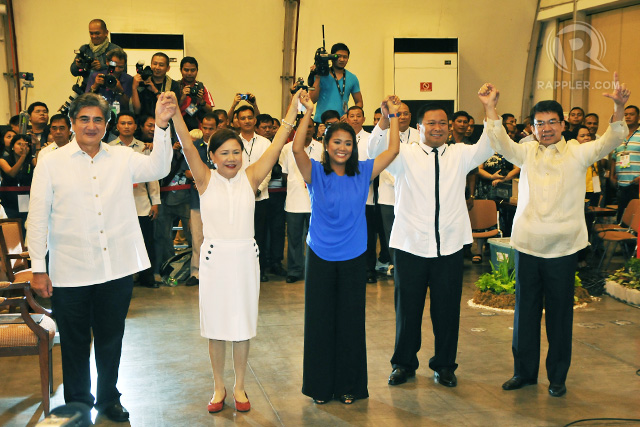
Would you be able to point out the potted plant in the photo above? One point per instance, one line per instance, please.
(624, 284)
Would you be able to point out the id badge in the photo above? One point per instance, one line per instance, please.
(625, 161)
(192, 109)
(345, 106)
(596, 184)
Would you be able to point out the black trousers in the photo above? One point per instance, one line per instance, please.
(297, 229)
(335, 348)
(548, 281)
(260, 231)
(625, 195)
(413, 275)
(146, 226)
(79, 311)
(387, 214)
(372, 238)
(275, 218)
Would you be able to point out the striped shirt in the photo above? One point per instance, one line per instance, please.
(631, 147)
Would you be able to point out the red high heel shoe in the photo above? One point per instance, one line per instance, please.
(217, 407)
(242, 406)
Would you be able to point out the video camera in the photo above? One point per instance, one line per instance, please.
(85, 62)
(322, 58)
(300, 85)
(145, 72)
(76, 91)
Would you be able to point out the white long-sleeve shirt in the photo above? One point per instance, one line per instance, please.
(549, 219)
(414, 228)
(83, 211)
(254, 148)
(298, 200)
(145, 194)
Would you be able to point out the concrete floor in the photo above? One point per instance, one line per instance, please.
(165, 375)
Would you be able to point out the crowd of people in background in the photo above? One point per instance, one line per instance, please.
(296, 188)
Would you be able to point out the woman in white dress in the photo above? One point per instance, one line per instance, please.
(229, 270)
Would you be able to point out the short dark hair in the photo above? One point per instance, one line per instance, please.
(634, 107)
(352, 166)
(17, 137)
(276, 121)
(432, 106)
(188, 60)
(340, 46)
(222, 112)
(577, 108)
(549, 106)
(329, 114)
(101, 22)
(90, 100)
(506, 116)
(378, 111)
(594, 115)
(577, 129)
(460, 113)
(57, 117)
(356, 107)
(211, 115)
(162, 54)
(118, 53)
(36, 104)
(263, 118)
(142, 119)
(222, 136)
(244, 108)
(14, 120)
(126, 114)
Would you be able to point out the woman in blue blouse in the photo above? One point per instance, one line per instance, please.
(335, 358)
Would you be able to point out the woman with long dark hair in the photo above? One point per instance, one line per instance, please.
(335, 354)
(229, 270)
(16, 170)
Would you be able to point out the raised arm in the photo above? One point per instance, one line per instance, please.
(200, 171)
(385, 158)
(257, 172)
(302, 160)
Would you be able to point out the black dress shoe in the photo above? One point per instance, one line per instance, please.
(517, 382)
(372, 277)
(445, 377)
(264, 277)
(278, 270)
(192, 281)
(399, 376)
(115, 412)
(292, 279)
(557, 390)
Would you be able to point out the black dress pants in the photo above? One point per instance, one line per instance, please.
(413, 275)
(146, 226)
(79, 311)
(260, 231)
(549, 282)
(275, 220)
(335, 348)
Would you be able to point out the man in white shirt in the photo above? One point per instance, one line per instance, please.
(254, 146)
(82, 210)
(548, 230)
(297, 205)
(386, 196)
(146, 194)
(60, 129)
(430, 229)
(355, 118)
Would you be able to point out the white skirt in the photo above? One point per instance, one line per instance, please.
(229, 289)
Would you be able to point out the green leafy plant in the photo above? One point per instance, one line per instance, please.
(501, 280)
(629, 275)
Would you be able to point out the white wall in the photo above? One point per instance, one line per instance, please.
(239, 44)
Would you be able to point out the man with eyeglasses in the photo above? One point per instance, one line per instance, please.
(121, 92)
(548, 230)
(332, 92)
(431, 227)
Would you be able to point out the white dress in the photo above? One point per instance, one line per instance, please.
(229, 269)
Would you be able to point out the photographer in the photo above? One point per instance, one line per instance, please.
(118, 89)
(332, 91)
(251, 100)
(97, 49)
(38, 117)
(144, 93)
(195, 99)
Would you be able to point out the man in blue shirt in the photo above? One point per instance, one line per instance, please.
(121, 92)
(332, 91)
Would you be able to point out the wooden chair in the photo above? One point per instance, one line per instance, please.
(620, 237)
(625, 221)
(485, 222)
(13, 257)
(25, 334)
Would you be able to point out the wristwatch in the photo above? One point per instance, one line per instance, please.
(393, 115)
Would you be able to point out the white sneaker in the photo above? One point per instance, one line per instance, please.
(382, 266)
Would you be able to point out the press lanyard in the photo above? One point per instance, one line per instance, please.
(253, 140)
(344, 82)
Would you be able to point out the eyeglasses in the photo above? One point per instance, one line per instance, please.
(405, 113)
(541, 124)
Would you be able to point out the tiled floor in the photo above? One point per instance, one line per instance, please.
(165, 375)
